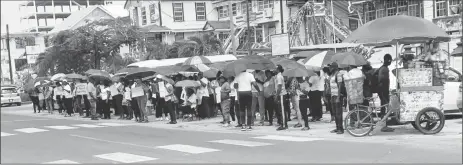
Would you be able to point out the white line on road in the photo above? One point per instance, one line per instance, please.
(61, 162)
(23, 120)
(115, 142)
(287, 138)
(6, 134)
(89, 126)
(188, 148)
(241, 143)
(112, 124)
(59, 127)
(125, 158)
(30, 130)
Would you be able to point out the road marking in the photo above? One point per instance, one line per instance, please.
(115, 142)
(59, 127)
(125, 158)
(241, 143)
(89, 126)
(188, 148)
(287, 138)
(23, 120)
(112, 124)
(61, 162)
(6, 134)
(30, 130)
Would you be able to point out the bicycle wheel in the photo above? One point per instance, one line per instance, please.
(358, 123)
(430, 121)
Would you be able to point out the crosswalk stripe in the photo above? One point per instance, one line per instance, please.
(60, 127)
(187, 148)
(62, 162)
(111, 124)
(241, 143)
(125, 157)
(6, 134)
(287, 138)
(88, 126)
(30, 130)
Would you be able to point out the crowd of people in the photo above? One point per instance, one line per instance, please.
(252, 95)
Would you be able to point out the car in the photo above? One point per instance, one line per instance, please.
(459, 104)
(10, 96)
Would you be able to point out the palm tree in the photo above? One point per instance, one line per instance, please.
(205, 44)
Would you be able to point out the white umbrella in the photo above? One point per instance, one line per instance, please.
(58, 76)
(318, 60)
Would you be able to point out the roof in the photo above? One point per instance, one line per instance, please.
(76, 17)
(218, 25)
(192, 26)
(155, 28)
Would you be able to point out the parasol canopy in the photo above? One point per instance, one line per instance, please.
(122, 72)
(397, 29)
(298, 72)
(188, 83)
(42, 83)
(195, 60)
(318, 60)
(75, 76)
(140, 72)
(57, 77)
(349, 59)
(167, 79)
(97, 72)
(253, 62)
(211, 73)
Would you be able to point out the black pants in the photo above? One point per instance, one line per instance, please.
(232, 107)
(303, 106)
(99, 106)
(316, 104)
(212, 106)
(128, 111)
(270, 107)
(328, 104)
(204, 109)
(336, 104)
(160, 107)
(134, 106)
(78, 104)
(87, 106)
(68, 105)
(170, 107)
(154, 103)
(36, 103)
(384, 97)
(245, 99)
(287, 106)
(279, 111)
(60, 103)
(106, 109)
(117, 104)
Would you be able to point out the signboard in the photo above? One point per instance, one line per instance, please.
(81, 89)
(280, 44)
(34, 49)
(416, 77)
(414, 101)
(31, 58)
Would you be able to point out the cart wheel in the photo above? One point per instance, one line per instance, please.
(414, 125)
(358, 123)
(429, 121)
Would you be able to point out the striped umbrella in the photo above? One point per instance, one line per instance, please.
(196, 60)
(318, 60)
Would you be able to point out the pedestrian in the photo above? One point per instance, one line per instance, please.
(171, 99)
(139, 93)
(258, 99)
(80, 90)
(58, 93)
(335, 88)
(214, 94)
(41, 98)
(133, 102)
(317, 85)
(105, 95)
(269, 94)
(304, 101)
(99, 104)
(67, 98)
(126, 102)
(327, 93)
(225, 100)
(383, 87)
(280, 93)
(154, 96)
(163, 113)
(116, 90)
(293, 91)
(203, 95)
(190, 104)
(92, 99)
(233, 101)
(244, 82)
(48, 97)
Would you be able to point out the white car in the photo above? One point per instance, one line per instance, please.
(10, 96)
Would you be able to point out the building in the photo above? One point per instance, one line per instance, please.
(44, 15)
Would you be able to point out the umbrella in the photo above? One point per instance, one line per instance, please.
(195, 60)
(298, 72)
(211, 73)
(349, 58)
(287, 64)
(397, 29)
(140, 72)
(188, 83)
(122, 72)
(219, 65)
(458, 51)
(42, 83)
(97, 72)
(170, 81)
(41, 78)
(75, 76)
(318, 60)
(100, 77)
(58, 76)
(253, 62)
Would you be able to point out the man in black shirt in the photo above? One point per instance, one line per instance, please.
(383, 86)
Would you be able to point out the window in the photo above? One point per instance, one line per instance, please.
(143, 16)
(179, 36)
(135, 16)
(402, 6)
(353, 24)
(260, 5)
(264, 4)
(414, 8)
(19, 43)
(30, 41)
(243, 7)
(200, 11)
(370, 14)
(441, 8)
(234, 9)
(391, 8)
(152, 13)
(178, 12)
(223, 11)
(452, 5)
(380, 13)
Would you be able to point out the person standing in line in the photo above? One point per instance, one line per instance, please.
(170, 101)
(126, 102)
(336, 97)
(258, 99)
(304, 101)
(116, 93)
(141, 97)
(58, 93)
(280, 93)
(105, 94)
(41, 98)
(383, 87)
(203, 95)
(67, 92)
(79, 92)
(293, 91)
(214, 93)
(225, 100)
(244, 82)
(233, 112)
(133, 102)
(92, 99)
(316, 84)
(155, 97)
(34, 95)
(164, 113)
(178, 93)
(327, 92)
(269, 94)
(48, 97)
(99, 104)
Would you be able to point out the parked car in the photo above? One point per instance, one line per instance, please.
(10, 96)
(459, 104)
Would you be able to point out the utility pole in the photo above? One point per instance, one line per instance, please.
(281, 17)
(9, 53)
(232, 26)
(248, 6)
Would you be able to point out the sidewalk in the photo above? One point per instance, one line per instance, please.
(452, 129)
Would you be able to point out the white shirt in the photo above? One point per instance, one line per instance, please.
(91, 89)
(104, 93)
(244, 81)
(127, 93)
(193, 100)
(280, 80)
(353, 74)
(316, 81)
(58, 91)
(114, 89)
(233, 91)
(67, 94)
(203, 91)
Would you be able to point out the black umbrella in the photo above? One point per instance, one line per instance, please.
(141, 72)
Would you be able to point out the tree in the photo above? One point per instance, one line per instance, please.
(115, 63)
(158, 50)
(203, 44)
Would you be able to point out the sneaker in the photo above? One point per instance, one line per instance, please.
(298, 125)
(334, 131)
(305, 129)
(226, 125)
(281, 128)
(243, 128)
(249, 128)
(239, 125)
(340, 132)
